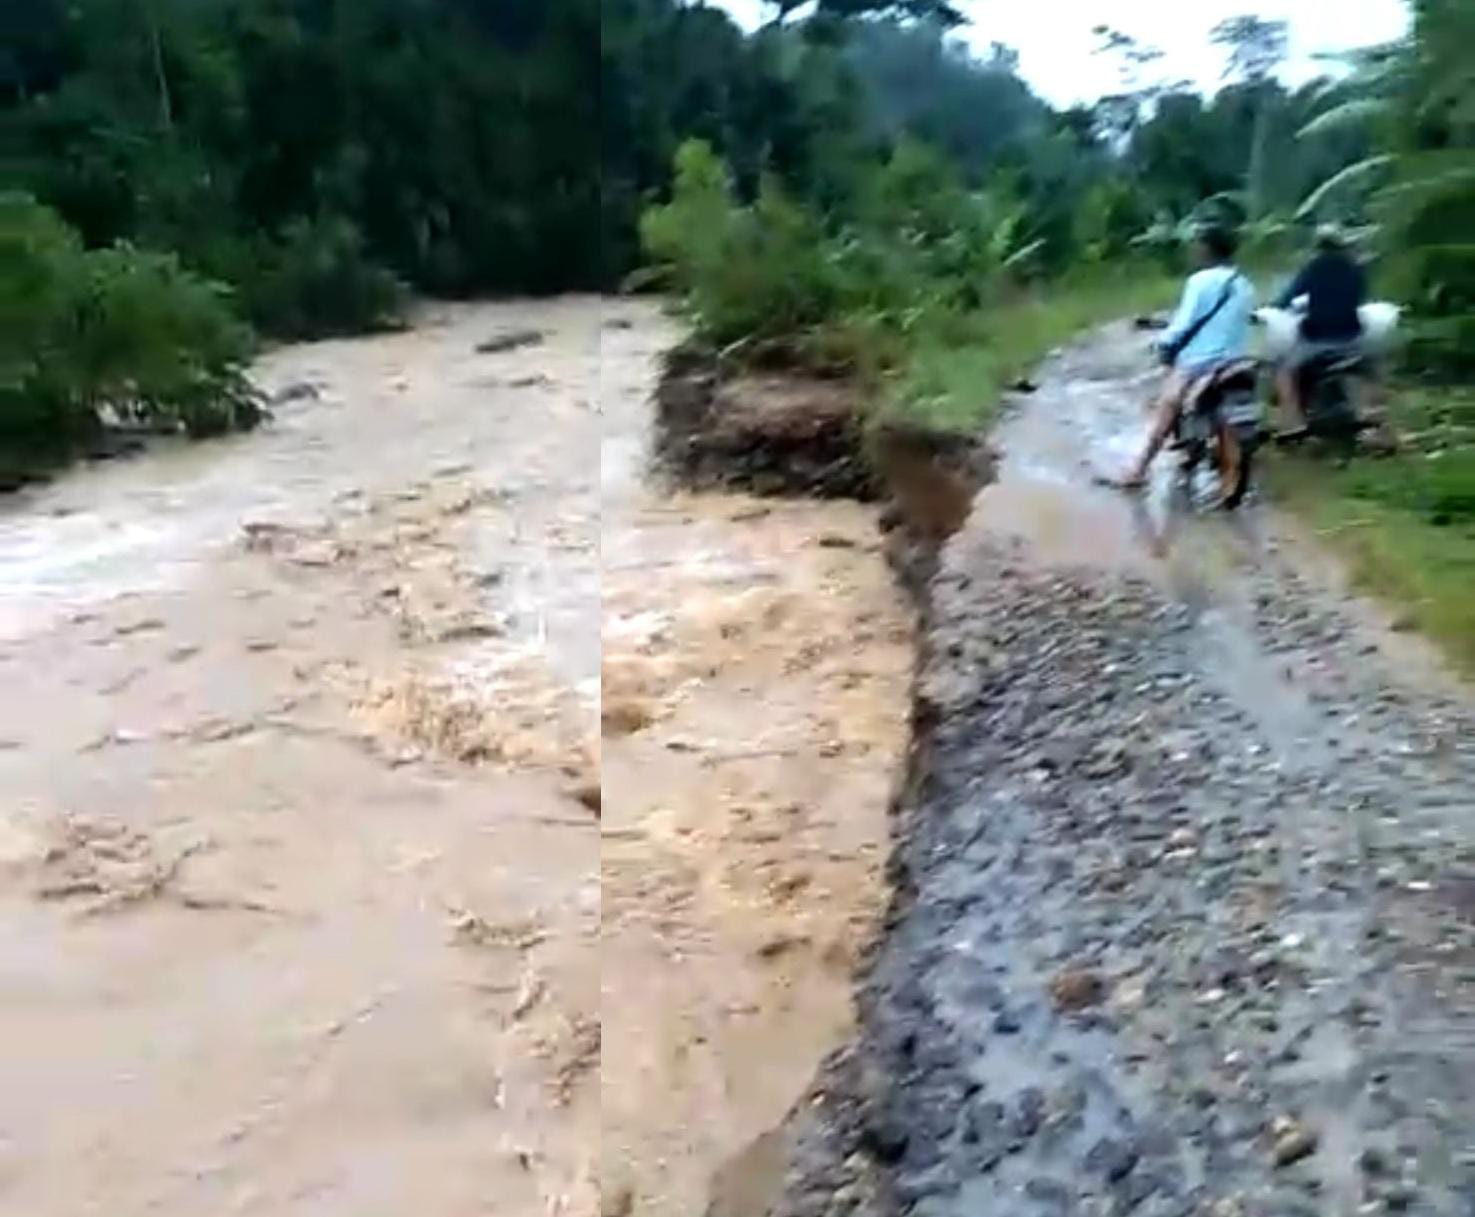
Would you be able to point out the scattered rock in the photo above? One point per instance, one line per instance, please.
(1112, 1158)
(1374, 1162)
(1077, 989)
(297, 390)
(1293, 1142)
(497, 344)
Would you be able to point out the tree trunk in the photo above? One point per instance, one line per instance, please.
(1255, 178)
(161, 78)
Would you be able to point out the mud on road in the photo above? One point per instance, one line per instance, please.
(1184, 916)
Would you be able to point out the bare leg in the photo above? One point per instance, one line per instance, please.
(1231, 455)
(1167, 412)
(1292, 413)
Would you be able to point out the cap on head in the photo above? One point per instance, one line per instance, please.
(1330, 237)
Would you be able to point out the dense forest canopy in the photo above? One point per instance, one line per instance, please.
(319, 157)
(509, 145)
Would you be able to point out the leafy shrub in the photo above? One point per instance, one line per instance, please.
(1109, 216)
(317, 281)
(746, 272)
(115, 333)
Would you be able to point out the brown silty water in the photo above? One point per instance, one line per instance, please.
(757, 657)
(300, 916)
(300, 850)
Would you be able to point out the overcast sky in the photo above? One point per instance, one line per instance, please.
(1055, 42)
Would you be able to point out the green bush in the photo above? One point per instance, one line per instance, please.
(915, 250)
(317, 281)
(115, 334)
(929, 291)
(751, 272)
(1441, 348)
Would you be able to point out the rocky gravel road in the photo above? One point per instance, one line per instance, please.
(1185, 912)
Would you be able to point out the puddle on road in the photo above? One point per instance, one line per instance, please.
(1089, 418)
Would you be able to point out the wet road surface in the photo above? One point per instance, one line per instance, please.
(1183, 921)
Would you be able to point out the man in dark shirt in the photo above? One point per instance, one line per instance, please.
(1335, 287)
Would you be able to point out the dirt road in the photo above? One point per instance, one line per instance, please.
(1187, 923)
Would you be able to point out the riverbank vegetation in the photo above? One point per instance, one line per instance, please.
(947, 226)
(935, 256)
(853, 189)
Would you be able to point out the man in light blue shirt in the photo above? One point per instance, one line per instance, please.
(1212, 327)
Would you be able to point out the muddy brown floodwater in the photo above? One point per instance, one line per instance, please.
(301, 912)
(300, 843)
(757, 659)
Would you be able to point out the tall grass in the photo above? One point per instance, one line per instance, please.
(932, 295)
(1404, 525)
(955, 381)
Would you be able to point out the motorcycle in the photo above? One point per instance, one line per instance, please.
(1216, 435)
(1332, 383)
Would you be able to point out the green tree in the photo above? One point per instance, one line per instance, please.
(1255, 49)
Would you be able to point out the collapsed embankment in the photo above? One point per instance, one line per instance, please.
(785, 435)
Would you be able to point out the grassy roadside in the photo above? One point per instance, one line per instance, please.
(1404, 525)
(954, 383)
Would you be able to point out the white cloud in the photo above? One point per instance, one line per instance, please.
(1056, 46)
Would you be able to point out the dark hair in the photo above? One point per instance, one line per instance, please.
(1219, 241)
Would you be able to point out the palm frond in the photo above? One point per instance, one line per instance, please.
(1023, 254)
(1359, 112)
(1360, 173)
